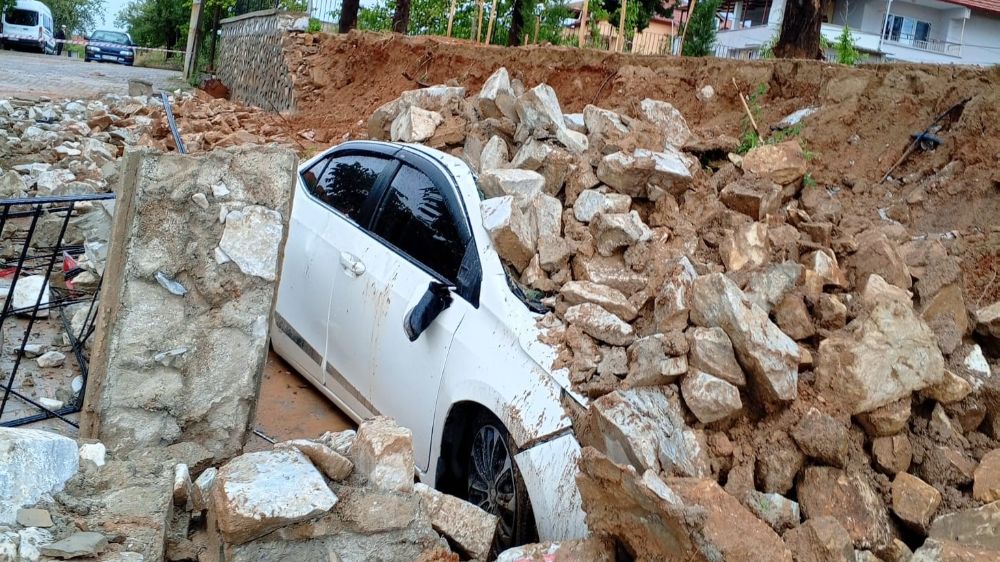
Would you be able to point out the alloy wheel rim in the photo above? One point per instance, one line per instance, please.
(491, 479)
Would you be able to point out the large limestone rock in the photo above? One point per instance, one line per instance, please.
(667, 119)
(934, 550)
(471, 528)
(820, 539)
(711, 352)
(782, 163)
(644, 427)
(888, 355)
(591, 203)
(754, 197)
(523, 185)
(877, 256)
(383, 453)
(33, 463)
(415, 125)
(257, 493)
(672, 520)
(496, 99)
(510, 230)
(710, 398)
(605, 128)
(851, 499)
(600, 324)
(633, 173)
(30, 290)
(914, 501)
(769, 356)
(745, 247)
(978, 527)
(538, 108)
(612, 300)
(618, 230)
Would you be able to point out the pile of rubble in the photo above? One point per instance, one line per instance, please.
(344, 496)
(763, 372)
(67, 148)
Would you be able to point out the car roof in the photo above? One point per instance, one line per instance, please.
(33, 5)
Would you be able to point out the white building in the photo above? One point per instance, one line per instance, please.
(933, 31)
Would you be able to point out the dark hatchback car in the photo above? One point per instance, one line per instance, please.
(113, 46)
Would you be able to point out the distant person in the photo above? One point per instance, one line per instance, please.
(60, 37)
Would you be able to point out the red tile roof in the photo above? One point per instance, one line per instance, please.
(985, 5)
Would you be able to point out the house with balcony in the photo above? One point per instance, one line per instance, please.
(930, 31)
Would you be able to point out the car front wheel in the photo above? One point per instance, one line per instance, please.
(494, 484)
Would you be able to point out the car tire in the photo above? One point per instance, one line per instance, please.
(493, 481)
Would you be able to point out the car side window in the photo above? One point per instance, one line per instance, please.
(343, 182)
(415, 219)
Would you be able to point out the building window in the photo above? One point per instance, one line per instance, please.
(907, 30)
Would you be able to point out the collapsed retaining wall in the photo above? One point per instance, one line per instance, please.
(252, 60)
(191, 275)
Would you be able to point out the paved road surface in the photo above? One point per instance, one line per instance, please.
(33, 75)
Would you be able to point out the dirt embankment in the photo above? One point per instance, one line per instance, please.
(867, 116)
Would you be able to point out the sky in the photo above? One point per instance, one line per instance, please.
(111, 9)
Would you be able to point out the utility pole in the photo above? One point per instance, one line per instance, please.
(191, 53)
(621, 28)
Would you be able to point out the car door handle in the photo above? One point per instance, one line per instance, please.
(351, 264)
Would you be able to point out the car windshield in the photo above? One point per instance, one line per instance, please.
(17, 16)
(109, 37)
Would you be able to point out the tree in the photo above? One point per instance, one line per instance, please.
(517, 22)
(847, 53)
(800, 30)
(644, 11)
(156, 23)
(401, 16)
(349, 15)
(5, 4)
(699, 38)
(78, 16)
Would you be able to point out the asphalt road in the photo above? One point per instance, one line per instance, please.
(33, 75)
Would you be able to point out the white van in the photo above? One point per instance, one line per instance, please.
(28, 24)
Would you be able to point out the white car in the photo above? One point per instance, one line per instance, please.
(393, 301)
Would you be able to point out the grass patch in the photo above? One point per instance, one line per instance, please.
(158, 59)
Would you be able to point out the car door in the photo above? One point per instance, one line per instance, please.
(332, 190)
(418, 235)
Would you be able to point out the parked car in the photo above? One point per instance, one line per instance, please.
(28, 24)
(112, 46)
(393, 301)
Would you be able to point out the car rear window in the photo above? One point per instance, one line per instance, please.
(109, 37)
(16, 16)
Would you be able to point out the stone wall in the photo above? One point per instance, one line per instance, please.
(252, 61)
(188, 294)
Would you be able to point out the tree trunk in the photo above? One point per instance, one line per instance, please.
(800, 30)
(516, 24)
(401, 17)
(349, 15)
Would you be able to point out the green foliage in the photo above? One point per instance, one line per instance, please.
(767, 49)
(808, 181)
(748, 136)
(4, 4)
(847, 53)
(79, 16)
(785, 134)
(156, 23)
(315, 26)
(700, 38)
(637, 17)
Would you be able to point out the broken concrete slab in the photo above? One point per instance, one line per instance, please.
(133, 402)
(34, 463)
(257, 493)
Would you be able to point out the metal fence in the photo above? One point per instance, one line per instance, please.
(51, 302)
(322, 10)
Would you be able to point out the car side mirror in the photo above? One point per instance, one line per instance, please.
(430, 306)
